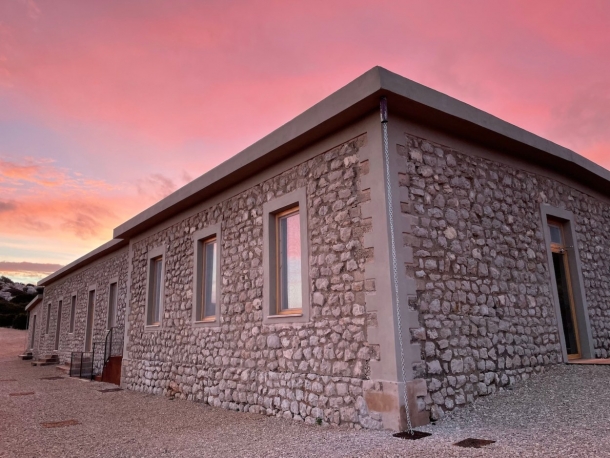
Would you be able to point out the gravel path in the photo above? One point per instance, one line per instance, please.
(12, 342)
(563, 412)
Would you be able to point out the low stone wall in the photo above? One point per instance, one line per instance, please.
(480, 262)
(305, 371)
(99, 273)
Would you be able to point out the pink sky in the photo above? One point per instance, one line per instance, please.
(105, 107)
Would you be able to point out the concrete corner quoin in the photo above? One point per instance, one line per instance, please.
(384, 392)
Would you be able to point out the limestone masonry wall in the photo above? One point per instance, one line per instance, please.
(309, 371)
(99, 273)
(480, 261)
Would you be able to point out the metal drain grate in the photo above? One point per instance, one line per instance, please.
(59, 424)
(53, 378)
(473, 443)
(24, 393)
(414, 435)
(110, 390)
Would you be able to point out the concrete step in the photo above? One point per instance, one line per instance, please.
(48, 360)
(26, 356)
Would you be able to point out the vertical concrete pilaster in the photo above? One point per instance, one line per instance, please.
(384, 393)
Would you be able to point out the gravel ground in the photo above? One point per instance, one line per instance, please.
(12, 342)
(563, 412)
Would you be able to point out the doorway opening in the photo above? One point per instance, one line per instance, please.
(565, 293)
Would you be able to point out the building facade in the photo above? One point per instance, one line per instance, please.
(345, 267)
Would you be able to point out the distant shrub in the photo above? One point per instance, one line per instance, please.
(8, 308)
(6, 280)
(6, 321)
(20, 321)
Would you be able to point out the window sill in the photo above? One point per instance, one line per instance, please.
(207, 323)
(285, 315)
(286, 319)
(152, 327)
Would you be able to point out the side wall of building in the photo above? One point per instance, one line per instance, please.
(480, 266)
(310, 371)
(99, 274)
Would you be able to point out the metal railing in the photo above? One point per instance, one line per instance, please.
(85, 364)
(81, 364)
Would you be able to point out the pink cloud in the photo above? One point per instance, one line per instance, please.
(28, 267)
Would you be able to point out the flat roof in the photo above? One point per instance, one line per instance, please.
(361, 96)
(99, 252)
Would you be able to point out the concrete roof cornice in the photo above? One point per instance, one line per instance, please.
(94, 255)
(356, 99)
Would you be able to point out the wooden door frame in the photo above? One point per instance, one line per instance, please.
(564, 252)
(574, 270)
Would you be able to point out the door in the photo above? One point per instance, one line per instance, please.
(58, 327)
(33, 332)
(561, 269)
(89, 328)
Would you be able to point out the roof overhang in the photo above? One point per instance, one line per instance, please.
(353, 101)
(99, 252)
(33, 303)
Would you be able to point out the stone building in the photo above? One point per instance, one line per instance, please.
(344, 261)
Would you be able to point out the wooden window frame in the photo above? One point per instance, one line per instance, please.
(272, 208)
(154, 254)
(203, 318)
(567, 220)
(562, 249)
(200, 239)
(278, 282)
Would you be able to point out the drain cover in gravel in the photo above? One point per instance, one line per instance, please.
(473, 443)
(110, 390)
(414, 435)
(59, 424)
(52, 378)
(24, 393)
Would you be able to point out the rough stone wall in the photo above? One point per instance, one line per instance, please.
(480, 262)
(99, 273)
(310, 371)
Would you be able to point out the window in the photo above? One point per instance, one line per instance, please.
(207, 302)
(48, 318)
(58, 324)
(155, 287)
(72, 313)
(288, 263)
(90, 317)
(112, 300)
(286, 259)
(206, 276)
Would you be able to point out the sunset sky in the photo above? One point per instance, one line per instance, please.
(107, 106)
